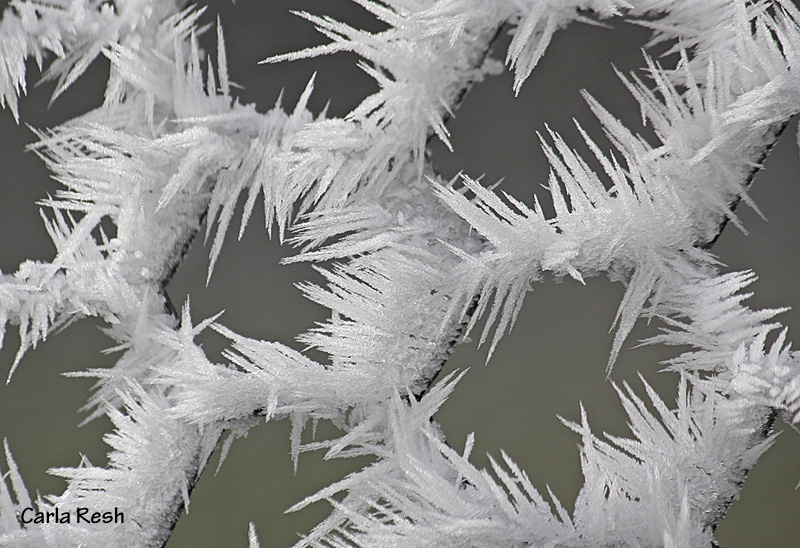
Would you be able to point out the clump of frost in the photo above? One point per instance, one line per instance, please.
(410, 264)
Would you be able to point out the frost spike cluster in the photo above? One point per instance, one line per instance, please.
(416, 264)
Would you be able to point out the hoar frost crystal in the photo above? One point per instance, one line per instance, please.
(416, 262)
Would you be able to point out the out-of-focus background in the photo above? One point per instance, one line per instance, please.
(553, 359)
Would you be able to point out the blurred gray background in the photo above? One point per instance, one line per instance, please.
(553, 359)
